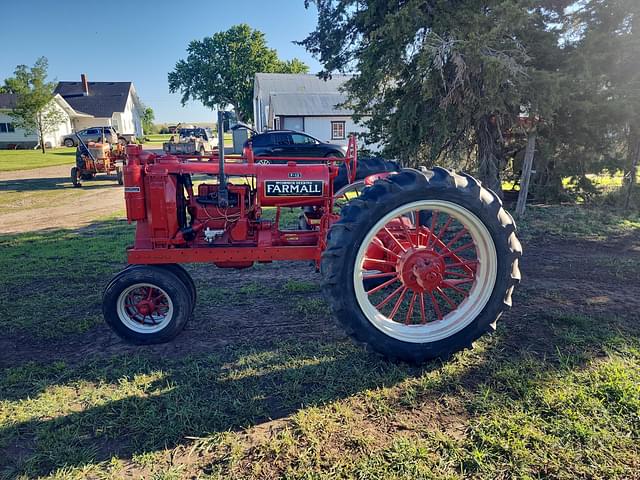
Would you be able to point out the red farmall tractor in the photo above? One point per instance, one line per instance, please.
(416, 264)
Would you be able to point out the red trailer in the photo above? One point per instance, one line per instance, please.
(417, 265)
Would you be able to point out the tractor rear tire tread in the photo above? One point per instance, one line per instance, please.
(384, 196)
(366, 166)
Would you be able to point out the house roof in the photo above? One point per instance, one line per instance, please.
(268, 83)
(8, 100)
(308, 104)
(104, 97)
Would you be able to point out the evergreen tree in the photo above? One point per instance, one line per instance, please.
(441, 81)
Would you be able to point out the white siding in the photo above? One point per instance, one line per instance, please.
(52, 139)
(130, 121)
(320, 127)
(19, 135)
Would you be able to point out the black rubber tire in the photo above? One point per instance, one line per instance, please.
(68, 142)
(74, 177)
(361, 214)
(164, 278)
(119, 176)
(366, 166)
(180, 272)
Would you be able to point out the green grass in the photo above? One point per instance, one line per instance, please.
(554, 394)
(577, 221)
(11, 160)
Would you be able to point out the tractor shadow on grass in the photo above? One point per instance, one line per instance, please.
(227, 371)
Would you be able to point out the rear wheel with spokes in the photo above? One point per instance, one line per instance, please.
(436, 262)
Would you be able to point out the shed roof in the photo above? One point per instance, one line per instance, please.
(308, 104)
(268, 83)
(104, 97)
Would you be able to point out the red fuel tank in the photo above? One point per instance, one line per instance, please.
(292, 183)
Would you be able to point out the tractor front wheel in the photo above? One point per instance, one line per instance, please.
(421, 264)
(119, 176)
(147, 304)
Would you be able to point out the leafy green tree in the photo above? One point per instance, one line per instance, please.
(147, 120)
(439, 80)
(35, 109)
(219, 70)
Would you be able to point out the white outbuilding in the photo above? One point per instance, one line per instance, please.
(305, 103)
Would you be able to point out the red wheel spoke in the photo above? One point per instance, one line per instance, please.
(461, 281)
(445, 228)
(396, 307)
(458, 274)
(457, 237)
(451, 303)
(418, 227)
(434, 222)
(463, 263)
(386, 250)
(446, 284)
(150, 293)
(380, 262)
(436, 306)
(407, 233)
(466, 246)
(422, 313)
(383, 285)
(393, 237)
(407, 319)
(390, 297)
(378, 275)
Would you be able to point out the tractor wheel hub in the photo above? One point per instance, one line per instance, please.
(145, 307)
(421, 269)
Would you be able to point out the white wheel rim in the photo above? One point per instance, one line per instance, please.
(134, 319)
(478, 295)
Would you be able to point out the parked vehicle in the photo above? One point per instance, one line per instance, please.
(96, 134)
(291, 143)
(191, 141)
(93, 158)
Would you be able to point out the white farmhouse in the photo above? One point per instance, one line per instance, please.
(103, 104)
(84, 104)
(305, 103)
(14, 137)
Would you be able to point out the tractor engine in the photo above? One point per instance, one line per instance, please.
(172, 212)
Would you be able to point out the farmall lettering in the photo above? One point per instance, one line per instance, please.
(293, 188)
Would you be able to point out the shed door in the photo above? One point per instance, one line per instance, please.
(294, 123)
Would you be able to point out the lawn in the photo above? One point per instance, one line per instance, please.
(261, 384)
(11, 160)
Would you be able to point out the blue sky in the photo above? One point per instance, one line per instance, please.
(119, 40)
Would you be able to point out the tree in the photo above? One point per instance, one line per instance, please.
(219, 70)
(36, 110)
(438, 80)
(147, 120)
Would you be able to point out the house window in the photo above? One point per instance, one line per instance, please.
(7, 128)
(337, 130)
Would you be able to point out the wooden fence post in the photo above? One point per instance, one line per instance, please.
(526, 172)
